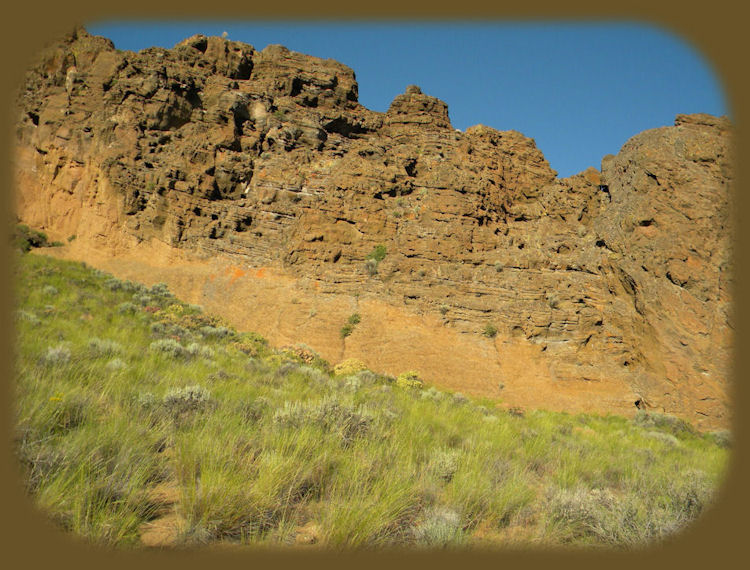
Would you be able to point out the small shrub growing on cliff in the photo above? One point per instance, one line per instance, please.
(379, 253)
(490, 331)
(346, 330)
(351, 322)
(374, 258)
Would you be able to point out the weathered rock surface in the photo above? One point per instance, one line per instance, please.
(255, 184)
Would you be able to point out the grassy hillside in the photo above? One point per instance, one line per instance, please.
(142, 420)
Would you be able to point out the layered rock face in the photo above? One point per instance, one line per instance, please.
(255, 184)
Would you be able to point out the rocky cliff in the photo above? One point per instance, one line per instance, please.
(255, 184)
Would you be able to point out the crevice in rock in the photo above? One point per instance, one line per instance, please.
(342, 126)
(653, 177)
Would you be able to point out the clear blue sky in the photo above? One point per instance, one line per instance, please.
(579, 90)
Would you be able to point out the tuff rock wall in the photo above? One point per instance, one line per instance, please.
(256, 185)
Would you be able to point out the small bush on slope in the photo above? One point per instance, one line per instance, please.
(25, 238)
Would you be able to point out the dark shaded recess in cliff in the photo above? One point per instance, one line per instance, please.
(342, 126)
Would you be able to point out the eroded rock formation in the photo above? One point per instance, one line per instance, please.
(255, 184)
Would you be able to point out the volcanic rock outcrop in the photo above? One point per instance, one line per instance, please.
(255, 184)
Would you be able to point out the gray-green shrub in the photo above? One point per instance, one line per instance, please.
(198, 350)
(50, 290)
(168, 346)
(104, 347)
(28, 317)
(444, 463)
(215, 332)
(189, 398)
(115, 365)
(142, 299)
(127, 308)
(671, 424)
(439, 528)
(56, 355)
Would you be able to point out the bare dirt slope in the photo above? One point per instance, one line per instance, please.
(256, 185)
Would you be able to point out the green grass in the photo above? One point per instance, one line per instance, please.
(122, 389)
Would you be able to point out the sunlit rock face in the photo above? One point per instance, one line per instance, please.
(255, 184)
